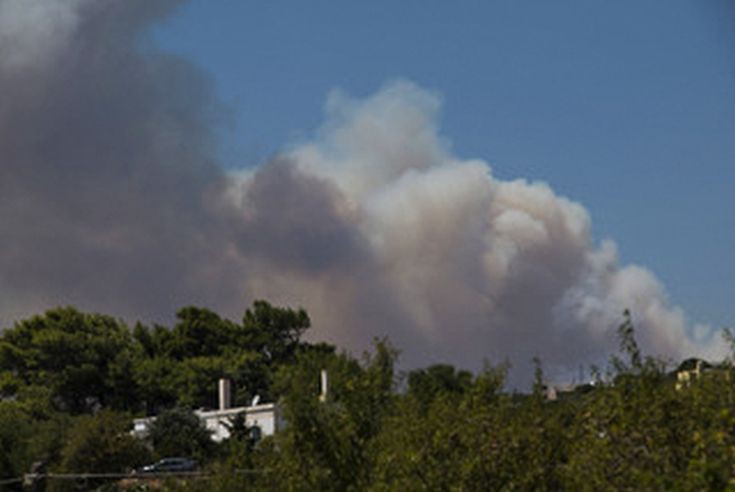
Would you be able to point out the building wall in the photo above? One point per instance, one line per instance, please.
(266, 416)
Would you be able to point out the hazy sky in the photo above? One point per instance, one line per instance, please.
(627, 107)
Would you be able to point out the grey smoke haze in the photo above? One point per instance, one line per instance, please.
(104, 164)
(110, 199)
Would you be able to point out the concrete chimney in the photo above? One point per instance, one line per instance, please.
(324, 386)
(224, 394)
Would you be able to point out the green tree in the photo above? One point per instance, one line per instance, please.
(100, 443)
(85, 360)
(15, 431)
(274, 332)
(425, 385)
(199, 332)
(633, 432)
(181, 366)
(327, 444)
(473, 440)
(179, 432)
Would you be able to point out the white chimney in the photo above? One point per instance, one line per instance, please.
(325, 386)
(224, 394)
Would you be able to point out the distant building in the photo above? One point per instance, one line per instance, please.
(689, 370)
(560, 391)
(264, 419)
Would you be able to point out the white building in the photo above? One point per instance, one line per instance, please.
(264, 417)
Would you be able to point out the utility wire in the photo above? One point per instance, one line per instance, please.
(8, 481)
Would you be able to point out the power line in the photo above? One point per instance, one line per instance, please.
(8, 481)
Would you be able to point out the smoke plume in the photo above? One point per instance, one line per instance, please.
(111, 200)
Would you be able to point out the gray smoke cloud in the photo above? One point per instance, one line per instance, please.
(105, 164)
(110, 199)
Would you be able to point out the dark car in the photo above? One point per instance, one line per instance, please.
(170, 465)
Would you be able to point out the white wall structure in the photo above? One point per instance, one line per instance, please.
(265, 416)
(141, 426)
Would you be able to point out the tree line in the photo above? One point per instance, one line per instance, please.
(71, 382)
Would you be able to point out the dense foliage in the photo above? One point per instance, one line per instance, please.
(71, 383)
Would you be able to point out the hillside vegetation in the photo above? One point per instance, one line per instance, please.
(71, 382)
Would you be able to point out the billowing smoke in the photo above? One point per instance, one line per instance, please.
(105, 164)
(408, 240)
(110, 200)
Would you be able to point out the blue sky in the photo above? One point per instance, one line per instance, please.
(627, 107)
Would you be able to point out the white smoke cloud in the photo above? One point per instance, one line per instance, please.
(110, 199)
(454, 263)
